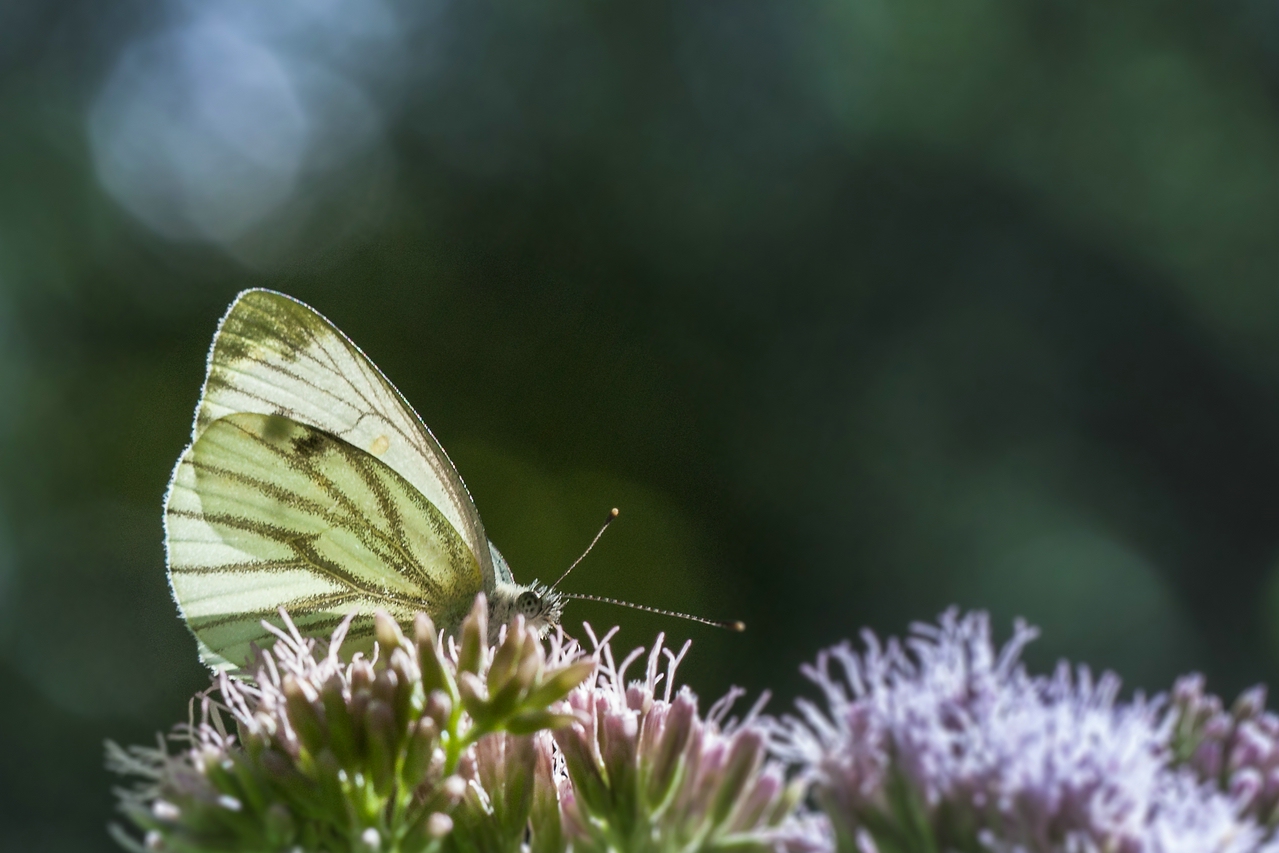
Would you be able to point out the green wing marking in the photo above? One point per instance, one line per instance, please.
(265, 512)
(273, 355)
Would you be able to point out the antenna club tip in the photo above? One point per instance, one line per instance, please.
(614, 513)
(736, 626)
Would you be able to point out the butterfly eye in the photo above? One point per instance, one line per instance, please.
(529, 604)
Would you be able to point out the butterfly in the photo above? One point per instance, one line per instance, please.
(310, 484)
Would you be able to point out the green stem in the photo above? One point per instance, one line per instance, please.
(454, 750)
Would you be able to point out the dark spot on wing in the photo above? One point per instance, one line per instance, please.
(308, 444)
(277, 428)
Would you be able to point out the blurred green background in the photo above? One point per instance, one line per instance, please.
(856, 308)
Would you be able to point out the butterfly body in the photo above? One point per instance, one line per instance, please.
(311, 484)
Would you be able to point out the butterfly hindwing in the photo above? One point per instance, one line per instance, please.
(275, 355)
(265, 512)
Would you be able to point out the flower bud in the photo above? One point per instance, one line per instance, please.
(1188, 689)
(544, 815)
(474, 637)
(588, 782)
(506, 700)
(401, 664)
(443, 796)
(531, 663)
(385, 683)
(471, 691)
(379, 721)
(453, 788)
(744, 757)
(428, 656)
(755, 803)
(1208, 758)
(1251, 703)
(1218, 727)
(423, 740)
(387, 632)
(561, 681)
(792, 795)
(617, 747)
(507, 655)
(439, 825)
(1245, 785)
(302, 715)
(666, 758)
(361, 678)
(431, 821)
(343, 738)
(390, 688)
(439, 707)
(505, 766)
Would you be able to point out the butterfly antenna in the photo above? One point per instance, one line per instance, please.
(732, 625)
(612, 515)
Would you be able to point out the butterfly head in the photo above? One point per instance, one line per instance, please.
(540, 606)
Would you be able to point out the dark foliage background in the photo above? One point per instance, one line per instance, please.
(856, 308)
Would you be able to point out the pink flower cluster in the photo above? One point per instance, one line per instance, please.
(644, 771)
(946, 742)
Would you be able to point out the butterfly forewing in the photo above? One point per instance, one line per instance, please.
(265, 512)
(273, 355)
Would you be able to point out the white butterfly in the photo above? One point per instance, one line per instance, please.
(311, 484)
